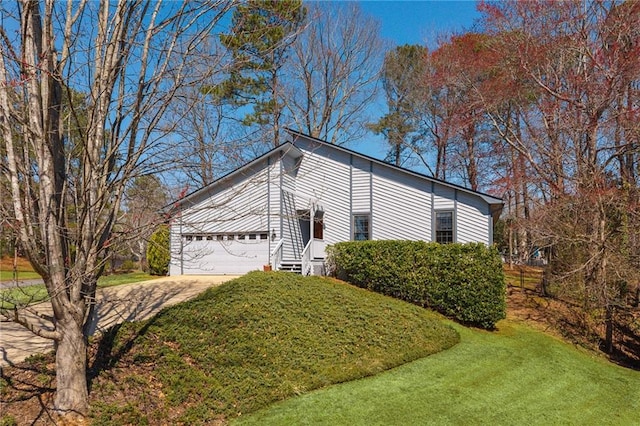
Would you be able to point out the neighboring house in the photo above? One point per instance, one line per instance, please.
(283, 208)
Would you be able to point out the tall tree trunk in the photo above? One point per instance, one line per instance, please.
(471, 160)
(608, 335)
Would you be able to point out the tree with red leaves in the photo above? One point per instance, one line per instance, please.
(577, 66)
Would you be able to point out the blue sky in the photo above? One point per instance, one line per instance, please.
(420, 22)
(413, 22)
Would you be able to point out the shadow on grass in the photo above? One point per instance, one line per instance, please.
(27, 388)
(115, 339)
(570, 321)
(29, 383)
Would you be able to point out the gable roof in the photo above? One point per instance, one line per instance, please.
(286, 148)
(489, 199)
(289, 148)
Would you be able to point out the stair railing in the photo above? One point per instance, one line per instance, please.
(276, 255)
(306, 258)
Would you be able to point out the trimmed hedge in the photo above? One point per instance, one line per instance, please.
(463, 281)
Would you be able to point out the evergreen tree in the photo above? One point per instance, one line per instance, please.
(158, 256)
(260, 36)
(403, 71)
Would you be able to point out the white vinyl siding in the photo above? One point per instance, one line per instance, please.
(274, 199)
(266, 197)
(443, 197)
(360, 185)
(401, 206)
(239, 207)
(473, 220)
(291, 232)
(324, 178)
(288, 221)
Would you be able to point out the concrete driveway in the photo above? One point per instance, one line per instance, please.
(114, 305)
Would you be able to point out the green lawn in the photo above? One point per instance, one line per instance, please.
(37, 293)
(510, 377)
(261, 338)
(7, 275)
(120, 279)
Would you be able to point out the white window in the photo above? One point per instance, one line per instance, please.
(361, 226)
(444, 227)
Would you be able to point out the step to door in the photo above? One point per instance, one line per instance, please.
(295, 267)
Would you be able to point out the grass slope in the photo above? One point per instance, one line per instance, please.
(513, 376)
(259, 339)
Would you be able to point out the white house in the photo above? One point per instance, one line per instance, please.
(283, 208)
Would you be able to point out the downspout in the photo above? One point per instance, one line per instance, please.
(455, 216)
(371, 200)
(269, 209)
(350, 197)
(433, 213)
(181, 244)
(281, 214)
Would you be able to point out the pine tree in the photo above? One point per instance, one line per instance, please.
(260, 36)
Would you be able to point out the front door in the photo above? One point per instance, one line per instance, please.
(318, 225)
(304, 220)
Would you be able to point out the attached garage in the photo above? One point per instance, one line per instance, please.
(224, 253)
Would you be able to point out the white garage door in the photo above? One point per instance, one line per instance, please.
(225, 254)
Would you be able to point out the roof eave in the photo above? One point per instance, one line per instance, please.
(489, 199)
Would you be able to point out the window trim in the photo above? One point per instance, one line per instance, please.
(367, 215)
(453, 225)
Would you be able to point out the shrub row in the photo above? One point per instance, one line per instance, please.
(463, 281)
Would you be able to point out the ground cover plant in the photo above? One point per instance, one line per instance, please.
(515, 375)
(241, 346)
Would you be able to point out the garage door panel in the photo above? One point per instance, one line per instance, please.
(225, 257)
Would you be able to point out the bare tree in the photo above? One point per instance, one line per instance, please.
(212, 139)
(66, 195)
(582, 63)
(143, 199)
(332, 73)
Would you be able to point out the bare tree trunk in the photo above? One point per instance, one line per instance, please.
(608, 339)
(472, 166)
(71, 382)
(65, 196)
